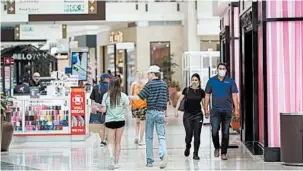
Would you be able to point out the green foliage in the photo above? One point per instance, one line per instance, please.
(5, 103)
(167, 66)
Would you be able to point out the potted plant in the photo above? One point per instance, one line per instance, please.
(7, 127)
(167, 65)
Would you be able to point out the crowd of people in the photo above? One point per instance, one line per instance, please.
(149, 99)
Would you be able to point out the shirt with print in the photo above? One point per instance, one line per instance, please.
(115, 113)
(221, 92)
(193, 100)
(156, 94)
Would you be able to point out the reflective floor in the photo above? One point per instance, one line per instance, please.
(89, 155)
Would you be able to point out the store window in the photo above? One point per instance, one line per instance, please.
(158, 52)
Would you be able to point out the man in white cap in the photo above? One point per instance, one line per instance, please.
(156, 94)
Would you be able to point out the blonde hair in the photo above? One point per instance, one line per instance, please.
(141, 77)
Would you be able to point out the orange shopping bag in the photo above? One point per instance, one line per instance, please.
(235, 123)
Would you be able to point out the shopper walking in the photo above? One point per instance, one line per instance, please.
(193, 115)
(97, 97)
(115, 103)
(156, 94)
(224, 101)
(139, 107)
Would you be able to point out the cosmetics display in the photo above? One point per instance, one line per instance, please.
(46, 115)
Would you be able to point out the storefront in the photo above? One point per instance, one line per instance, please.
(127, 50)
(22, 61)
(270, 70)
(118, 59)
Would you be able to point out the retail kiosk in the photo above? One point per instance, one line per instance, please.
(59, 116)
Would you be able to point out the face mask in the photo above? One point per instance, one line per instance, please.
(222, 73)
(194, 85)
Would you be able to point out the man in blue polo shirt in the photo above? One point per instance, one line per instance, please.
(156, 94)
(224, 101)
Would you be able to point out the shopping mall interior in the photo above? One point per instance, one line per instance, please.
(54, 52)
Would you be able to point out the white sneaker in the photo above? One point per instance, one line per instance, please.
(117, 166)
(163, 162)
(141, 143)
(112, 163)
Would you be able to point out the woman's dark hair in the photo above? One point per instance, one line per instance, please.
(114, 91)
(198, 77)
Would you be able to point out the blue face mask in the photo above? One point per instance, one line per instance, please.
(103, 86)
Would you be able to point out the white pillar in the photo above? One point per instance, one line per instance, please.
(191, 38)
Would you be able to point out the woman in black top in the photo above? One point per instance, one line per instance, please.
(193, 115)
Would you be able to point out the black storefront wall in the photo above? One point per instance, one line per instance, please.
(225, 46)
(227, 41)
(249, 79)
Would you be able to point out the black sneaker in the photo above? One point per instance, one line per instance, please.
(216, 153)
(196, 157)
(103, 143)
(186, 152)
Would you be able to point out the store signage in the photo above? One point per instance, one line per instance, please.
(7, 77)
(77, 101)
(54, 7)
(7, 60)
(116, 37)
(39, 31)
(30, 56)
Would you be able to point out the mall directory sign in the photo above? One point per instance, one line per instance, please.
(77, 104)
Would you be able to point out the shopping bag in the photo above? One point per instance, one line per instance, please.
(235, 123)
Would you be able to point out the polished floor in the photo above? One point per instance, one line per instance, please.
(88, 155)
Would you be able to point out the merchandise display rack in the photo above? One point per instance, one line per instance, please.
(41, 116)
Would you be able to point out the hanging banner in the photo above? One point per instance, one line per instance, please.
(77, 104)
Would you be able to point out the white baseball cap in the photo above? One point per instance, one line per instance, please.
(154, 69)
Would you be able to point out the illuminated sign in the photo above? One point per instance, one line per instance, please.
(116, 37)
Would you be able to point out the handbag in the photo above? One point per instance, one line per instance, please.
(95, 118)
(182, 103)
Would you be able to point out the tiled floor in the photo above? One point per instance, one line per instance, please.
(89, 155)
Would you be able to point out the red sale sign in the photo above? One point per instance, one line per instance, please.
(77, 110)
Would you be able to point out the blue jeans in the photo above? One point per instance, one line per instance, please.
(157, 119)
(216, 118)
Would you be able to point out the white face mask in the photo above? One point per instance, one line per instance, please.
(222, 73)
(194, 85)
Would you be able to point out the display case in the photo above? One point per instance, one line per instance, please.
(41, 116)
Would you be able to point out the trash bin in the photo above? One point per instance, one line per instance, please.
(291, 132)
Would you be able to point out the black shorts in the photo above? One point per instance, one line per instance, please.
(115, 125)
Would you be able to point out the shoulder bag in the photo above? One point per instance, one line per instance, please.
(182, 103)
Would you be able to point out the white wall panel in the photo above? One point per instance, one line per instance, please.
(165, 11)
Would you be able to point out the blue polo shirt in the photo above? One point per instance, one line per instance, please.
(221, 93)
